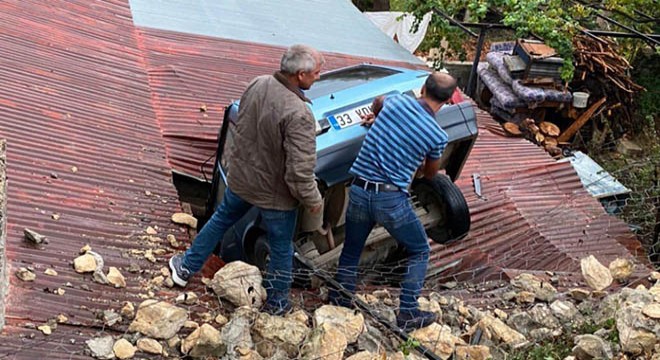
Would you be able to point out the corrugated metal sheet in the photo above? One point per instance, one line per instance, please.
(335, 26)
(75, 94)
(187, 71)
(534, 214)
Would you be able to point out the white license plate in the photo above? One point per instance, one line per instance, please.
(352, 116)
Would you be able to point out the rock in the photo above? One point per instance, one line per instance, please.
(221, 320)
(50, 272)
(190, 324)
(326, 342)
(33, 236)
(522, 322)
(84, 263)
(349, 322)
(158, 320)
(247, 354)
(45, 329)
(85, 249)
(123, 349)
(544, 333)
(150, 346)
(579, 294)
(115, 278)
(596, 275)
(101, 347)
(25, 274)
(272, 332)
(652, 311)
(542, 314)
(128, 311)
(589, 347)
(371, 339)
(151, 231)
(564, 310)
(236, 336)
(239, 283)
(430, 305)
(61, 319)
(185, 219)
(473, 352)
(542, 290)
(438, 339)
(110, 317)
(501, 314)
(174, 342)
(364, 355)
(188, 298)
(621, 269)
(636, 330)
(203, 342)
(172, 240)
(299, 316)
(500, 331)
(525, 297)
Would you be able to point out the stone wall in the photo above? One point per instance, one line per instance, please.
(4, 279)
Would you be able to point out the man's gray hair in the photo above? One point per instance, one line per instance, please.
(299, 58)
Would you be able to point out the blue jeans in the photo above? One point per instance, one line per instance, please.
(394, 212)
(280, 226)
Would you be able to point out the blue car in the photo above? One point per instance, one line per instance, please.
(339, 98)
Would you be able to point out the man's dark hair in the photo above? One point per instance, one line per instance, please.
(440, 86)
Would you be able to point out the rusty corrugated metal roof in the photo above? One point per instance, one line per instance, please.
(75, 94)
(189, 71)
(534, 214)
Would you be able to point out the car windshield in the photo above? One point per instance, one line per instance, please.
(346, 78)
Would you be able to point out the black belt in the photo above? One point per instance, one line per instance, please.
(375, 186)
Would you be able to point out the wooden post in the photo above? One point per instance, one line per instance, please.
(577, 124)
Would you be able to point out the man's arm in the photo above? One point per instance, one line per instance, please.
(376, 107)
(300, 149)
(430, 168)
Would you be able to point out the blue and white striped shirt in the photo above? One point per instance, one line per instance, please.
(404, 133)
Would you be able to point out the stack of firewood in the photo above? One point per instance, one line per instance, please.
(602, 72)
(543, 133)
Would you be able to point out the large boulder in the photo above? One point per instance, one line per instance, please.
(239, 283)
(160, 320)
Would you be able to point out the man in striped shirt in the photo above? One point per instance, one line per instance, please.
(403, 137)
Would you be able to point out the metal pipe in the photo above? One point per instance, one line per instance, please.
(454, 22)
(472, 81)
(642, 35)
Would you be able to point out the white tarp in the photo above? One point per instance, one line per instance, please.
(400, 24)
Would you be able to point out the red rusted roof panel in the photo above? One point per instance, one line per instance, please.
(84, 146)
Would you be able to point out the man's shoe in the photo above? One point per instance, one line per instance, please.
(416, 319)
(276, 310)
(180, 275)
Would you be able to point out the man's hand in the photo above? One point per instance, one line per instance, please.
(368, 119)
(316, 208)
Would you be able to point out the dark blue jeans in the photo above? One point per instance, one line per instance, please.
(280, 226)
(394, 212)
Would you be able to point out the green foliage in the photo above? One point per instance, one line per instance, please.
(556, 349)
(408, 346)
(555, 21)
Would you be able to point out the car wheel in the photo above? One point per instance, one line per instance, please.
(440, 191)
(262, 253)
(301, 276)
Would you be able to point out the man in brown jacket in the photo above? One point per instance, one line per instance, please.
(271, 167)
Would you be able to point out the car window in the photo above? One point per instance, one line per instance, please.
(346, 78)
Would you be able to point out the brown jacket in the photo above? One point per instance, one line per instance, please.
(274, 153)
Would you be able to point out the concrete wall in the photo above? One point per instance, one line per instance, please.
(4, 279)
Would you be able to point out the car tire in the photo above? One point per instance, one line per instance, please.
(301, 275)
(262, 253)
(455, 222)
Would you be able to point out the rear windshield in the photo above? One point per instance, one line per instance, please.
(347, 78)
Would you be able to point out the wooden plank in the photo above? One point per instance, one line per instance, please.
(577, 124)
